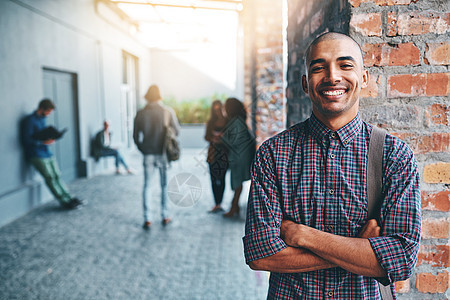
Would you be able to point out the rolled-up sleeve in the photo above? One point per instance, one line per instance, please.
(398, 246)
(264, 215)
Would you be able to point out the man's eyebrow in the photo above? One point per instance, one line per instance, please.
(316, 61)
(346, 58)
(321, 60)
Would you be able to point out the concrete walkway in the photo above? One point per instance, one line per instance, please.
(101, 251)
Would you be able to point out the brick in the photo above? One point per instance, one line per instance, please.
(434, 255)
(432, 143)
(403, 286)
(429, 283)
(436, 201)
(392, 2)
(357, 3)
(402, 85)
(392, 29)
(367, 24)
(436, 142)
(435, 228)
(422, 23)
(437, 54)
(438, 84)
(437, 173)
(387, 55)
(410, 85)
(371, 91)
(437, 114)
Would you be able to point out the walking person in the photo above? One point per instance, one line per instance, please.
(149, 136)
(307, 218)
(241, 150)
(38, 153)
(102, 148)
(217, 153)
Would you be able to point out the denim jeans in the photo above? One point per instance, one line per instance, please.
(48, 168)
(116, 154)
(152, 162)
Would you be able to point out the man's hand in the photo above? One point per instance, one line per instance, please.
(354, 254)
(370, 230)
(48, 142)
(289, 233)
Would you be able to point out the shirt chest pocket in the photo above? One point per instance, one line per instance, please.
(352, 215)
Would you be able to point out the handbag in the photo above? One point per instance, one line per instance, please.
(171, 145)
(375, 187)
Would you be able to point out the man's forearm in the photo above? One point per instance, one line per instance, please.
(291, 260)
(352, 254)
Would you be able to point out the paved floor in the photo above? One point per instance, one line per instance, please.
(101, 251)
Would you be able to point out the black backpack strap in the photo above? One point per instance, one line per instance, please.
(375, 187)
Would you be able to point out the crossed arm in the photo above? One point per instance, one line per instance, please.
(311, 249)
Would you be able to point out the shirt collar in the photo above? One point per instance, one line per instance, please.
(38, 115)
(346, 134)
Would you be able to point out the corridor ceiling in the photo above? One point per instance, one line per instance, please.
(177, 24)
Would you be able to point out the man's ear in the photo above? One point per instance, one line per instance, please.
(305, 84)
(365, 79)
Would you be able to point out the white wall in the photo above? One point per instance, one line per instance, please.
(64, 35)
(201, 69)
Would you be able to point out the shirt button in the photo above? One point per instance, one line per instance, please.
(331, 191)
(330, 294)
(332, 155)
(346, 142)
(330, 227)
(333, 135)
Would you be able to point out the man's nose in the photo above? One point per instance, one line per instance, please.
(334, 74)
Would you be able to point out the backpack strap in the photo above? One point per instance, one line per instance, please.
(375, 172)
(166, 121)
(375, 187)
(166, 117)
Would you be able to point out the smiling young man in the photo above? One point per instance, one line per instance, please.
(307, 217)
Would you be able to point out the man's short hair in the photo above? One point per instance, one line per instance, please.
(328, 36)
(46, 104)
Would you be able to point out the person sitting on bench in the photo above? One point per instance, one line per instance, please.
(102, 147)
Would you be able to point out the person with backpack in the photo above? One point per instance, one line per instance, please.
(151, 127)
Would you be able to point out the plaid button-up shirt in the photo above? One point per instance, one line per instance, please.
(317, 177)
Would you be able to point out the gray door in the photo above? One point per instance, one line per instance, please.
(60, 87)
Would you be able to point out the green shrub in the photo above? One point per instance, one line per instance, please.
(193, 111)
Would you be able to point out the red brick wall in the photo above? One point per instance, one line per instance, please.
(406, 50)
(263, 75)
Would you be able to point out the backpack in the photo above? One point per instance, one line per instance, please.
(171, 145)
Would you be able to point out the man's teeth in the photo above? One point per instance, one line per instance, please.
(333, 93)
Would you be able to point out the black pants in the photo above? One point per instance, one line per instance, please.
(218, 170)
